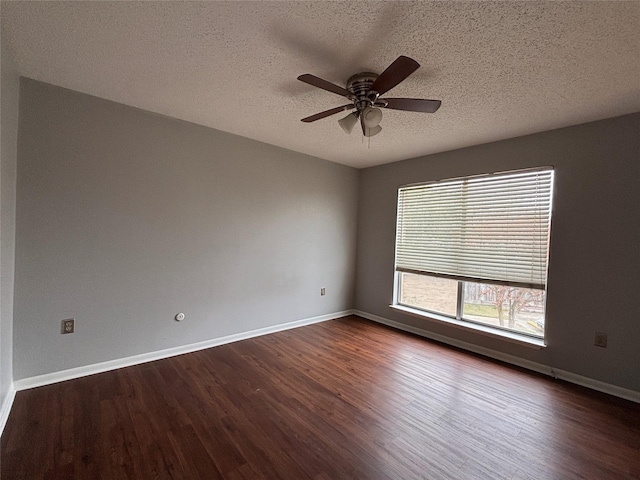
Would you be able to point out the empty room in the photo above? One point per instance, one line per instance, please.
(320, 240)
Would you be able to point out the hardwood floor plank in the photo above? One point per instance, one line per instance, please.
(344, 399)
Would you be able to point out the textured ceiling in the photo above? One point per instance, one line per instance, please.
(501, 69)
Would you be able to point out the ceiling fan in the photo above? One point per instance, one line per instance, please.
(364, 90)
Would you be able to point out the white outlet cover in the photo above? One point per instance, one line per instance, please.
(179, 317)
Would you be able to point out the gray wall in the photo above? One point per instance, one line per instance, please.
(125, 218)
(8, 148)
(594, 265)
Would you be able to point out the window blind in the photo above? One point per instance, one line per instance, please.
(491, 229)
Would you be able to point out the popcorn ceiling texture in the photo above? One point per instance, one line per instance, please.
(501, 69)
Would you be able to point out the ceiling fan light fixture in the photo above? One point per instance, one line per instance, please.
(348, 122)
(370, 132)
(371, 117)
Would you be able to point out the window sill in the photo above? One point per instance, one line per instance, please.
(524, 340)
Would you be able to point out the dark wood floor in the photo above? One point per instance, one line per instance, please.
(344, 399)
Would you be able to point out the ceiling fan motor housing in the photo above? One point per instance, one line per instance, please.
(360, 83)
(360, 86)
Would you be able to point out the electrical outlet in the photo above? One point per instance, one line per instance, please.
(323, 291)
(68, 325)
(600, 340)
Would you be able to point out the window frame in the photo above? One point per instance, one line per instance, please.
(459, 320)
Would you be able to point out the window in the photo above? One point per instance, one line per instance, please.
(475, 249)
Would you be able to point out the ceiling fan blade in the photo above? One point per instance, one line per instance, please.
(395, 73)
(412, 104)
(327, 113)
(323, 84)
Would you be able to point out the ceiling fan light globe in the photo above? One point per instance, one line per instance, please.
(371, 117)
(370, 132)
(348, 122)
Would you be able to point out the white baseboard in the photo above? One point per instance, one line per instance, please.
(40, 380)
(614, 390)
(5, 408)
(55, 377)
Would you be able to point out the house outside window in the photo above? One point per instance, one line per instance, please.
(475, 249)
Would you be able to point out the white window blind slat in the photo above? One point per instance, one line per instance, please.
(492, 228)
